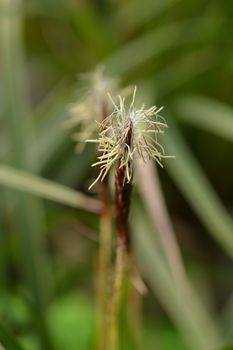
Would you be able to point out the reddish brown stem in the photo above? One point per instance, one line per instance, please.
(123, 191)
(123, 194)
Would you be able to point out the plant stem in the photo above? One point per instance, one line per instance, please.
(104, 265)
(105, 252)
(123, 191)
(149, 186)
(112, 340)
(134, 305)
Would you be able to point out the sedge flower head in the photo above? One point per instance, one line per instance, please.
(88, 108)
(128, 133)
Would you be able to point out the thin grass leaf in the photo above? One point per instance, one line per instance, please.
(141, 14)
(29, 220)
(227, 319)
(38, 186)
(121, 61)
(152, 197)
(205, 113)
(51, 137)
(186, 311)
(50, 133)
(159, 40)
(197, 190)
(189, 67)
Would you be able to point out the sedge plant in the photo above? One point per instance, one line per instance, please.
(94, 106)
(127, 133)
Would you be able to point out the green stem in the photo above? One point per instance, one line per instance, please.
(105, 251)
(123, 191)
(113, 329)
(134, 304)
(104, 268)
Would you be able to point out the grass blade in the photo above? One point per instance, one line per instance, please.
(158, 41)
(28, 217)
(36, 185)
(152, 197)
(141, 14)
(207, 114)
(194, 185)
(196, 326)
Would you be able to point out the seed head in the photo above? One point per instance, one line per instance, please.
(142, 126)
(89, 107)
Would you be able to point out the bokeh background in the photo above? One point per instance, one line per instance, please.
(180, 55)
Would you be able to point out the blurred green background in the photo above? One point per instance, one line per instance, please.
(180, 55)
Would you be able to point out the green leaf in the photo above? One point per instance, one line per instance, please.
(207, 114)
(141, 14)
(49, 116)
(36, 185)
(9, 341)
(159, 40)
(194, 185)
(184, 308)
(29, 219)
